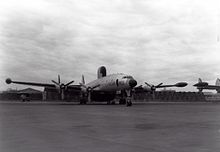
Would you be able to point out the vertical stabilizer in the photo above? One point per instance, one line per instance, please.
(101, 72)
(217, 83)
(200, 80)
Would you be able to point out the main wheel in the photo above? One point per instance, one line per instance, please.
(82, 101)
(122, 101)
(113, 103)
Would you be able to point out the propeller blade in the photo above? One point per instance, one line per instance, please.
(69, 83)
(159, 84)
(55, 82)
(58, 78)
(140, 86)
(148, 84)
(83, 85)
(62, 95)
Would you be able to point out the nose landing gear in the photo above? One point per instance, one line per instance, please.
(126, 98)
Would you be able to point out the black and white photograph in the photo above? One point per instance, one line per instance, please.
(110, 76)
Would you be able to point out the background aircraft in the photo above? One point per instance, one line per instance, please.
(205, 85)
(103, 88)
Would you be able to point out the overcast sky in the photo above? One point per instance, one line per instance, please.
(153, 40)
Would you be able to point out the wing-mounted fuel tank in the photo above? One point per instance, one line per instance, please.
(101, 72)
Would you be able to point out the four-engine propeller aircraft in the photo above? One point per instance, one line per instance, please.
(103, 88)
(205, 85)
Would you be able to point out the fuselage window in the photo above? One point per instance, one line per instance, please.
(127, 77)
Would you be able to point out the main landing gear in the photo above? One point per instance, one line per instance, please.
(128, 103)
(83, 98)
(110, 102)
(82, 101)
(122, 101)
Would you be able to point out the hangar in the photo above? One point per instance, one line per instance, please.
(51, 94)
(30, 93)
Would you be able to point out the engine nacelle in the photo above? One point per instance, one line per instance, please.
(181, 84)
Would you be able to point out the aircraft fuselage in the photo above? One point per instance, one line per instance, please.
(113, 83)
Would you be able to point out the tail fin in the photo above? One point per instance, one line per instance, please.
(217, 83)
(101, 72)
(83, 79)
(200, 80)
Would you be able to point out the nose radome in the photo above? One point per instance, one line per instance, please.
(132, 83)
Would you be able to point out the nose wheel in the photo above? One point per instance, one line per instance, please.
(126, 98)
(122, 101)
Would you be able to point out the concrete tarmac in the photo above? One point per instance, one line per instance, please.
(185, 127)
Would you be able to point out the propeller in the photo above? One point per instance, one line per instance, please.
(200, 90)
(61, 87)
(153, 88)
(88, 90)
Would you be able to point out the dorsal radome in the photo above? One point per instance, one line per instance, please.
(101, 72)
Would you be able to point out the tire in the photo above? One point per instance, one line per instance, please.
(129, 103)
(122, 101)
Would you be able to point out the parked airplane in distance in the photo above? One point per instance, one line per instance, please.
(205, 85)
(104, 87)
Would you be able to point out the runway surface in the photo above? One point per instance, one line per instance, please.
(182, 127)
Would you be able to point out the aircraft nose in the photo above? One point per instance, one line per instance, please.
(132, 83)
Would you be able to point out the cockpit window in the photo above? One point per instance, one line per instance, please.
(127, 77)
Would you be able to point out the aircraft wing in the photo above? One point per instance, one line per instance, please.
(8, 81)
(179, 84)
(69, 87)
(211, 87)
(164, 86)
(149, 87)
